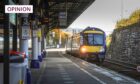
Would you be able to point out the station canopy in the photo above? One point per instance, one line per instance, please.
(56, 13)
(61, 13)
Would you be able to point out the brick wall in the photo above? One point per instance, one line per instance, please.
(125, 45)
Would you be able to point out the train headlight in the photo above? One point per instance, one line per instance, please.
(102, 49)
(83, 49)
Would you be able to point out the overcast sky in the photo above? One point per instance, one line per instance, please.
(105, 13)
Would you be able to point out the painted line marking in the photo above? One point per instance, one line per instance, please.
(69, 82)
(115, 75)
(64, 73)
(41, 75)
(66, 78)
(118, 78)
(111, 72)
(94, 77)
(108, 74)
(62, 70)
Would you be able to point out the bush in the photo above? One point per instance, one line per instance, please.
(133, 18)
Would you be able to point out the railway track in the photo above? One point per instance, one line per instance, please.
(123, 68)
(122, 64)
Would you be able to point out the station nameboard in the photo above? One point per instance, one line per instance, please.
(62, 19)
(25, 32)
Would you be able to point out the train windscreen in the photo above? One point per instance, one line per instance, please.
(98, 39)
(93, 39)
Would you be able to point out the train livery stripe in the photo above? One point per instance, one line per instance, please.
(93, 48)
(95, 32)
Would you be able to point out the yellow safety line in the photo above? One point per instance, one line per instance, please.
(21, 82)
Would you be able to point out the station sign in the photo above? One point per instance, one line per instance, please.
(63, 15)
(63, 18)
(25, 32)
(18, 8)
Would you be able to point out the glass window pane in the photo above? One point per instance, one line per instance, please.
(90, 39)
(98, 39)
(81, 40)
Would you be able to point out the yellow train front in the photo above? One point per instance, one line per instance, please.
(88, 44)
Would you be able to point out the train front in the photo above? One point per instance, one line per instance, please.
(93, 46)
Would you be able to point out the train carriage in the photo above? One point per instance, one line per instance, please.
(88, 44)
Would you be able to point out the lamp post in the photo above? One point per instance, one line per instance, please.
(6, 46)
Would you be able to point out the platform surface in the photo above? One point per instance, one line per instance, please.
(59, 68)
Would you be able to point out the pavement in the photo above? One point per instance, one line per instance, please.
(59, 68)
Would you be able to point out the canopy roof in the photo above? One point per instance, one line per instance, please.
(71, 8)
(56, 13)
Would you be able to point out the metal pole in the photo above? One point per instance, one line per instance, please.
(72, 40)
(35, 48)
(15, 35)
(42, 41)
(34, 61)
(24, 36)
(45, 42)
(39, 45)
(6, 47)
(60, 38)
(24, 25)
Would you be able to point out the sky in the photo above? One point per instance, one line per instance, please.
(105, 13)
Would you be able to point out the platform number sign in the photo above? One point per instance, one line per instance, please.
(25, 32)
(63, 18)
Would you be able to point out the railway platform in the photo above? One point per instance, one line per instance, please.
(59, 68)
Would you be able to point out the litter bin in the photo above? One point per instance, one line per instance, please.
(17, 68)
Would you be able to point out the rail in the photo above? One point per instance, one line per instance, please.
(123, 64)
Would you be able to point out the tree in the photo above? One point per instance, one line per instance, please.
(57, 32)
(133, 18)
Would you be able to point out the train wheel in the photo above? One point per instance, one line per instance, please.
(100, 60)
(87, 58)
(80, 56)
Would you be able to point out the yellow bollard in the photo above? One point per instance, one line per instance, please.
(21, 82)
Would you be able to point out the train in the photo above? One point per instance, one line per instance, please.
(89, 44)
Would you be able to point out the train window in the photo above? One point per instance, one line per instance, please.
(85, 39)
(98, 39)
(90, 39)
(81, 40)
(93, 39)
